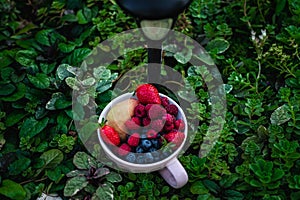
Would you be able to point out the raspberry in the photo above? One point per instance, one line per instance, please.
(179, 124)
(170, 119)
(146, 121)
(151, 134)
(133, 140)
(124, 149)
(156, 111)
(172, 109)
(164, 101)
(168, 127)
(170, 136)
(148, 106)
(136, 120)
(139, 111)
(157, 125)
(131, 125)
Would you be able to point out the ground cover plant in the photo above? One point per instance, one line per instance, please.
(255, 45)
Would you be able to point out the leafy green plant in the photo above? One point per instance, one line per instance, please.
(91, 179)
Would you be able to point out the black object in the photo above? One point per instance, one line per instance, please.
(154, 9)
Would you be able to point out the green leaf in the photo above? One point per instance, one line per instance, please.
(12, 190)
(14, 117)
(66, 48)
(74, 185)
(220, 45)
(83, 99)
(52, 158)
(58, 101)
(198, 188)
(19, 166)
(40, 81)
(280, 115)
(62, 71)
(7, 89)
(212, 186)
(73, 83)
(280, 4)
(21, 89)
(54, 175)
(81, 160)
(43, 37)
(113, 177)
(32, 127)
(233, 195)
(26, 57)
(47, 68)
(77, 56)
(184, 57)
(105, 192)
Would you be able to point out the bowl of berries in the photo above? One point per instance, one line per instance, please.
(145, 131)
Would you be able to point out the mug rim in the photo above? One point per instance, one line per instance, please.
(125, 164)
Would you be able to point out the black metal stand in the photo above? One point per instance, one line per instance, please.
(154, 56)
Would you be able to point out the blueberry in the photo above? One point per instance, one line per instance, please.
(156, 143)
(156, 155)
(130, 157)
(148, 158)
(146, 144)
(152, 149)
(139, 149)
(140, 159)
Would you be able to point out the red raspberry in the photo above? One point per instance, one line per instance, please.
(146, 121)
(139, 111)
(172, 109)
(151, 134)
(134, 140)
(157, 125)
(170, 119)
(131, 125)
(124, 149)
(156, 111)
(179, 124)
(178, 139)
(148, 106)
(136, 120)
(170, 136)
(164, 101)
(168, 127)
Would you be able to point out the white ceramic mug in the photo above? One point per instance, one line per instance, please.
(169, 168)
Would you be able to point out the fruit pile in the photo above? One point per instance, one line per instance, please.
(145, 128)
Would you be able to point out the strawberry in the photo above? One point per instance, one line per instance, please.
(134, 140)
(110, 135)
(148, 94)
(124, 149)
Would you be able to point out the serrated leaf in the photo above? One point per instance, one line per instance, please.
(219, 45)
(113, 177)
(32, 127)
(12, 190)
(89, 81)
(74, 185)
(62, 71)
(184, 57)
(76, 173)
(18, 94)
(198, 188)
(7, 89)
(47, 68)
(280, 115)
(19, 166)
(40, 81)
(52, 158)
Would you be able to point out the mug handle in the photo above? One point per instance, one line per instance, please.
(174, 174)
